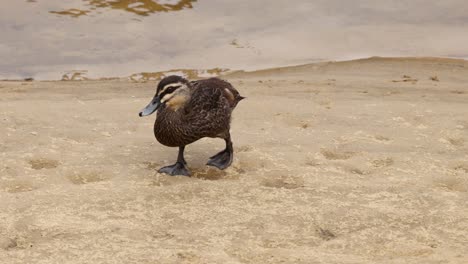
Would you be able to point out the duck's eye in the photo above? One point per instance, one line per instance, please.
(171, 89)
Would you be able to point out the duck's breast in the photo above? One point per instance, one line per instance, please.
(169, 129)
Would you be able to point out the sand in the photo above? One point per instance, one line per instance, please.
(351, 162)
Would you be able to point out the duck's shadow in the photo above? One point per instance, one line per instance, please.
(209, 173)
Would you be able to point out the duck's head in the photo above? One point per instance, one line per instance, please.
(172, 91)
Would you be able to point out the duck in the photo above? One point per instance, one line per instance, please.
(191, 110)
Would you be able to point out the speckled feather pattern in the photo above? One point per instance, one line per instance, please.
(207, 113)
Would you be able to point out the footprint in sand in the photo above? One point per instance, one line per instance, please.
(293, 120)
(87, 177)
(43, 163)
(381, 163)
(283, 182)
(18, 186)
(458, 92)
(382, 138)
(463, 167)
(245, 148)
(365, 169)
(188, 257)
(7, 243)
(325, 234)
(327, 104)
(151, 165)
(252, 160)
(462, 125)
(457, 142)
(211, 174)
(355, 170)
(312, 161)
(336, 155)
(454, 183)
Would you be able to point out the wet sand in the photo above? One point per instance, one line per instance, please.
(351, 162)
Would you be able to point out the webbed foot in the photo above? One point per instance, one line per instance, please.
(177, 169)
(222, 160)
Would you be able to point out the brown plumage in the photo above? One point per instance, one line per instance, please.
(206, 114)
(188, 111)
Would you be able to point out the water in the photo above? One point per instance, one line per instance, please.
(50, 39)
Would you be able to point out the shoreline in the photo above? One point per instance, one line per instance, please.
(80, 75)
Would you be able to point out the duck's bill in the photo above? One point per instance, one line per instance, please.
(151, 107)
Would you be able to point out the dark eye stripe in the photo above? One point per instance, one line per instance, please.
(169, 90)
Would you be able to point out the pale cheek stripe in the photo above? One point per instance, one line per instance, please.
(167, 97)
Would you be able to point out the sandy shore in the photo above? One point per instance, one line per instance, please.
(351, 162)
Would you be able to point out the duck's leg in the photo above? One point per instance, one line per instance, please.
(179, 168)
(223, 159)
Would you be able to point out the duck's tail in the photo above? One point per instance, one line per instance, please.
(240, 97)
(237, 99)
